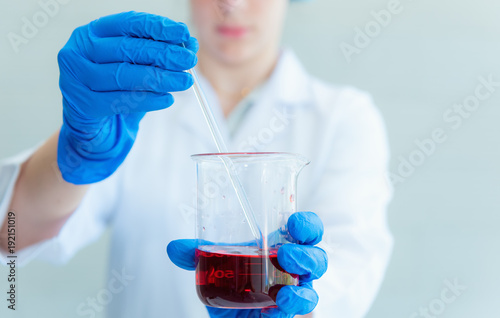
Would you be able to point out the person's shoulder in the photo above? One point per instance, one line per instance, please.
(341, 101)
(349, 113)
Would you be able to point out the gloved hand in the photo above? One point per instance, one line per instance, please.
(304, 259)
(113, 71)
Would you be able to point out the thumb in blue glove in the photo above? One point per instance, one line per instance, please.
(303, 259)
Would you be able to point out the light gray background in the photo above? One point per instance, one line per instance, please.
(444, 215)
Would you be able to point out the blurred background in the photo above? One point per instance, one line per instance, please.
(421, 63)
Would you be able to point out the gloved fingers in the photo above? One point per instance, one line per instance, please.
(142, 51)
(121, 102)
(309, 262)
(130, 77)
(247, 313)
(297, 300)
(182, 253)
(305, 228)
(192, 45)
(233, 313)
(140, 25)
(274, 313)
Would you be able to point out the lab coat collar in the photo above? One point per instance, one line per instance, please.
(287, 86)
(191, 116)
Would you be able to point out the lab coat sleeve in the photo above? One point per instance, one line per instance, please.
(84, 226)
(351, 198)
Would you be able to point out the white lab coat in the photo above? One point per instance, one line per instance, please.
(150, 199)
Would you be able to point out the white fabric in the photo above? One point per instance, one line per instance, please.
(150, 200)
(237, 115)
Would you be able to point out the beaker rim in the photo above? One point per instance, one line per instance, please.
(241, 156)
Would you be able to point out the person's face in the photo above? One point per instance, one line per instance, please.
(233, 31)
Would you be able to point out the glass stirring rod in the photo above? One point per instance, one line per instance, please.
(222, 148)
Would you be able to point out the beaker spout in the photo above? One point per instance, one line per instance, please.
(299, 163)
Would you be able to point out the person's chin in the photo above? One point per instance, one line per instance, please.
(235, 55)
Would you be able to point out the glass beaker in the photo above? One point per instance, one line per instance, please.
(235, 270)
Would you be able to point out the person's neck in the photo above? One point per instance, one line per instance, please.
(233, 82)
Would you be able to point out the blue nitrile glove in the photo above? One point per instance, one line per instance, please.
(113, 71)
(304, 259)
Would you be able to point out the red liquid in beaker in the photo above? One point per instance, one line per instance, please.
(235, 276)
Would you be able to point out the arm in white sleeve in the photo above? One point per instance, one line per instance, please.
(351, 198)
(83, 227)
